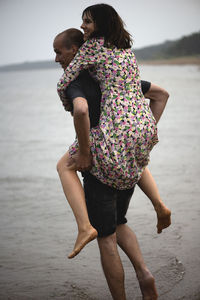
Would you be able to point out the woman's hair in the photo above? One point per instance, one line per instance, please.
(109, 25)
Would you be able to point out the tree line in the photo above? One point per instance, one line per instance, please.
(185, 46)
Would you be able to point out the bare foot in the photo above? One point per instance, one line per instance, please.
(163, 217)
(147, 285)
(83, 239)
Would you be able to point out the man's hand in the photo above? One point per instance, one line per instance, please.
(81, 161)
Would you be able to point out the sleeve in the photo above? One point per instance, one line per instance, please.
(145, 86)
(87, 56)
(73, 91)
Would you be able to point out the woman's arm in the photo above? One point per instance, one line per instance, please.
(87, 56)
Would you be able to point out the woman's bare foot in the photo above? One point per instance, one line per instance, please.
(163, 217)
(147, 285)
(83, 238)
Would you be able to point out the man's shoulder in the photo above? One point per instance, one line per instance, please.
(83, 86)
(76, 87)
(86, 82)
(83, 79)
(85, 76)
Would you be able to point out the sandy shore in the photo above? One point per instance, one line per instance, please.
(190, 60)
(37, 234)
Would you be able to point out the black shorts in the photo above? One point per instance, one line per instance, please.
(107, 207)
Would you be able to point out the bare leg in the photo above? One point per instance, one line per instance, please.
(127, 241)
(74, 193)
(149, 187)
(112, 266)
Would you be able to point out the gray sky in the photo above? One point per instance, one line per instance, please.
(27, 27)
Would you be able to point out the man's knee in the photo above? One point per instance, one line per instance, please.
(107, 244)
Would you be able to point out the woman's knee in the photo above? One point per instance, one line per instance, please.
(59, 166)
(65, 164)
(62, 163)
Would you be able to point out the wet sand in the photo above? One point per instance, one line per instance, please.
(37, 229)
(37, 234)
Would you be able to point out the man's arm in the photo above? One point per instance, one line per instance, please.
(158, 99)
(83, 158)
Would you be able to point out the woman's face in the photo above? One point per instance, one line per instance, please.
(88, 26)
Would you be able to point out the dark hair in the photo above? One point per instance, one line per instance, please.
(72, 36)
(108, 25)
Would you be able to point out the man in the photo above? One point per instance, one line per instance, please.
(106, 206)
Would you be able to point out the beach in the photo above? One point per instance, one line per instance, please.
(37, 228)
(181, 61)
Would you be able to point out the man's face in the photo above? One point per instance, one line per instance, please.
(63, 55)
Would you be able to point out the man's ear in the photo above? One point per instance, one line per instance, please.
(74, 49)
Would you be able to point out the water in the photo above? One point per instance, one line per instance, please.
(35, 130)
(35, 221)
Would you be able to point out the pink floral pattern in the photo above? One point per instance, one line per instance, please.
(127, 130)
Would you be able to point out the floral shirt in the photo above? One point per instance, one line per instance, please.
(127, 130)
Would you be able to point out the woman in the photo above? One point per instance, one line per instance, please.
(127, 131)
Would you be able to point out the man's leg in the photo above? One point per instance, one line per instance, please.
(127, 241)
(101, 204)
(112, 266)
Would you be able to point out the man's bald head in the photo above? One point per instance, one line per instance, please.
(71, 36)
(66, 45)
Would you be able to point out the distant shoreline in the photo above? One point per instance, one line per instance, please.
(190, 60)
(186, 60)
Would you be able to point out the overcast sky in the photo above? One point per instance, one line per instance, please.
(28, 27)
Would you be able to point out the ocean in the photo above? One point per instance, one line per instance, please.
(35, 130)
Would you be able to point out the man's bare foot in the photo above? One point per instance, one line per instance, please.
(163, 217)
(83, 238)
(147, 285)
